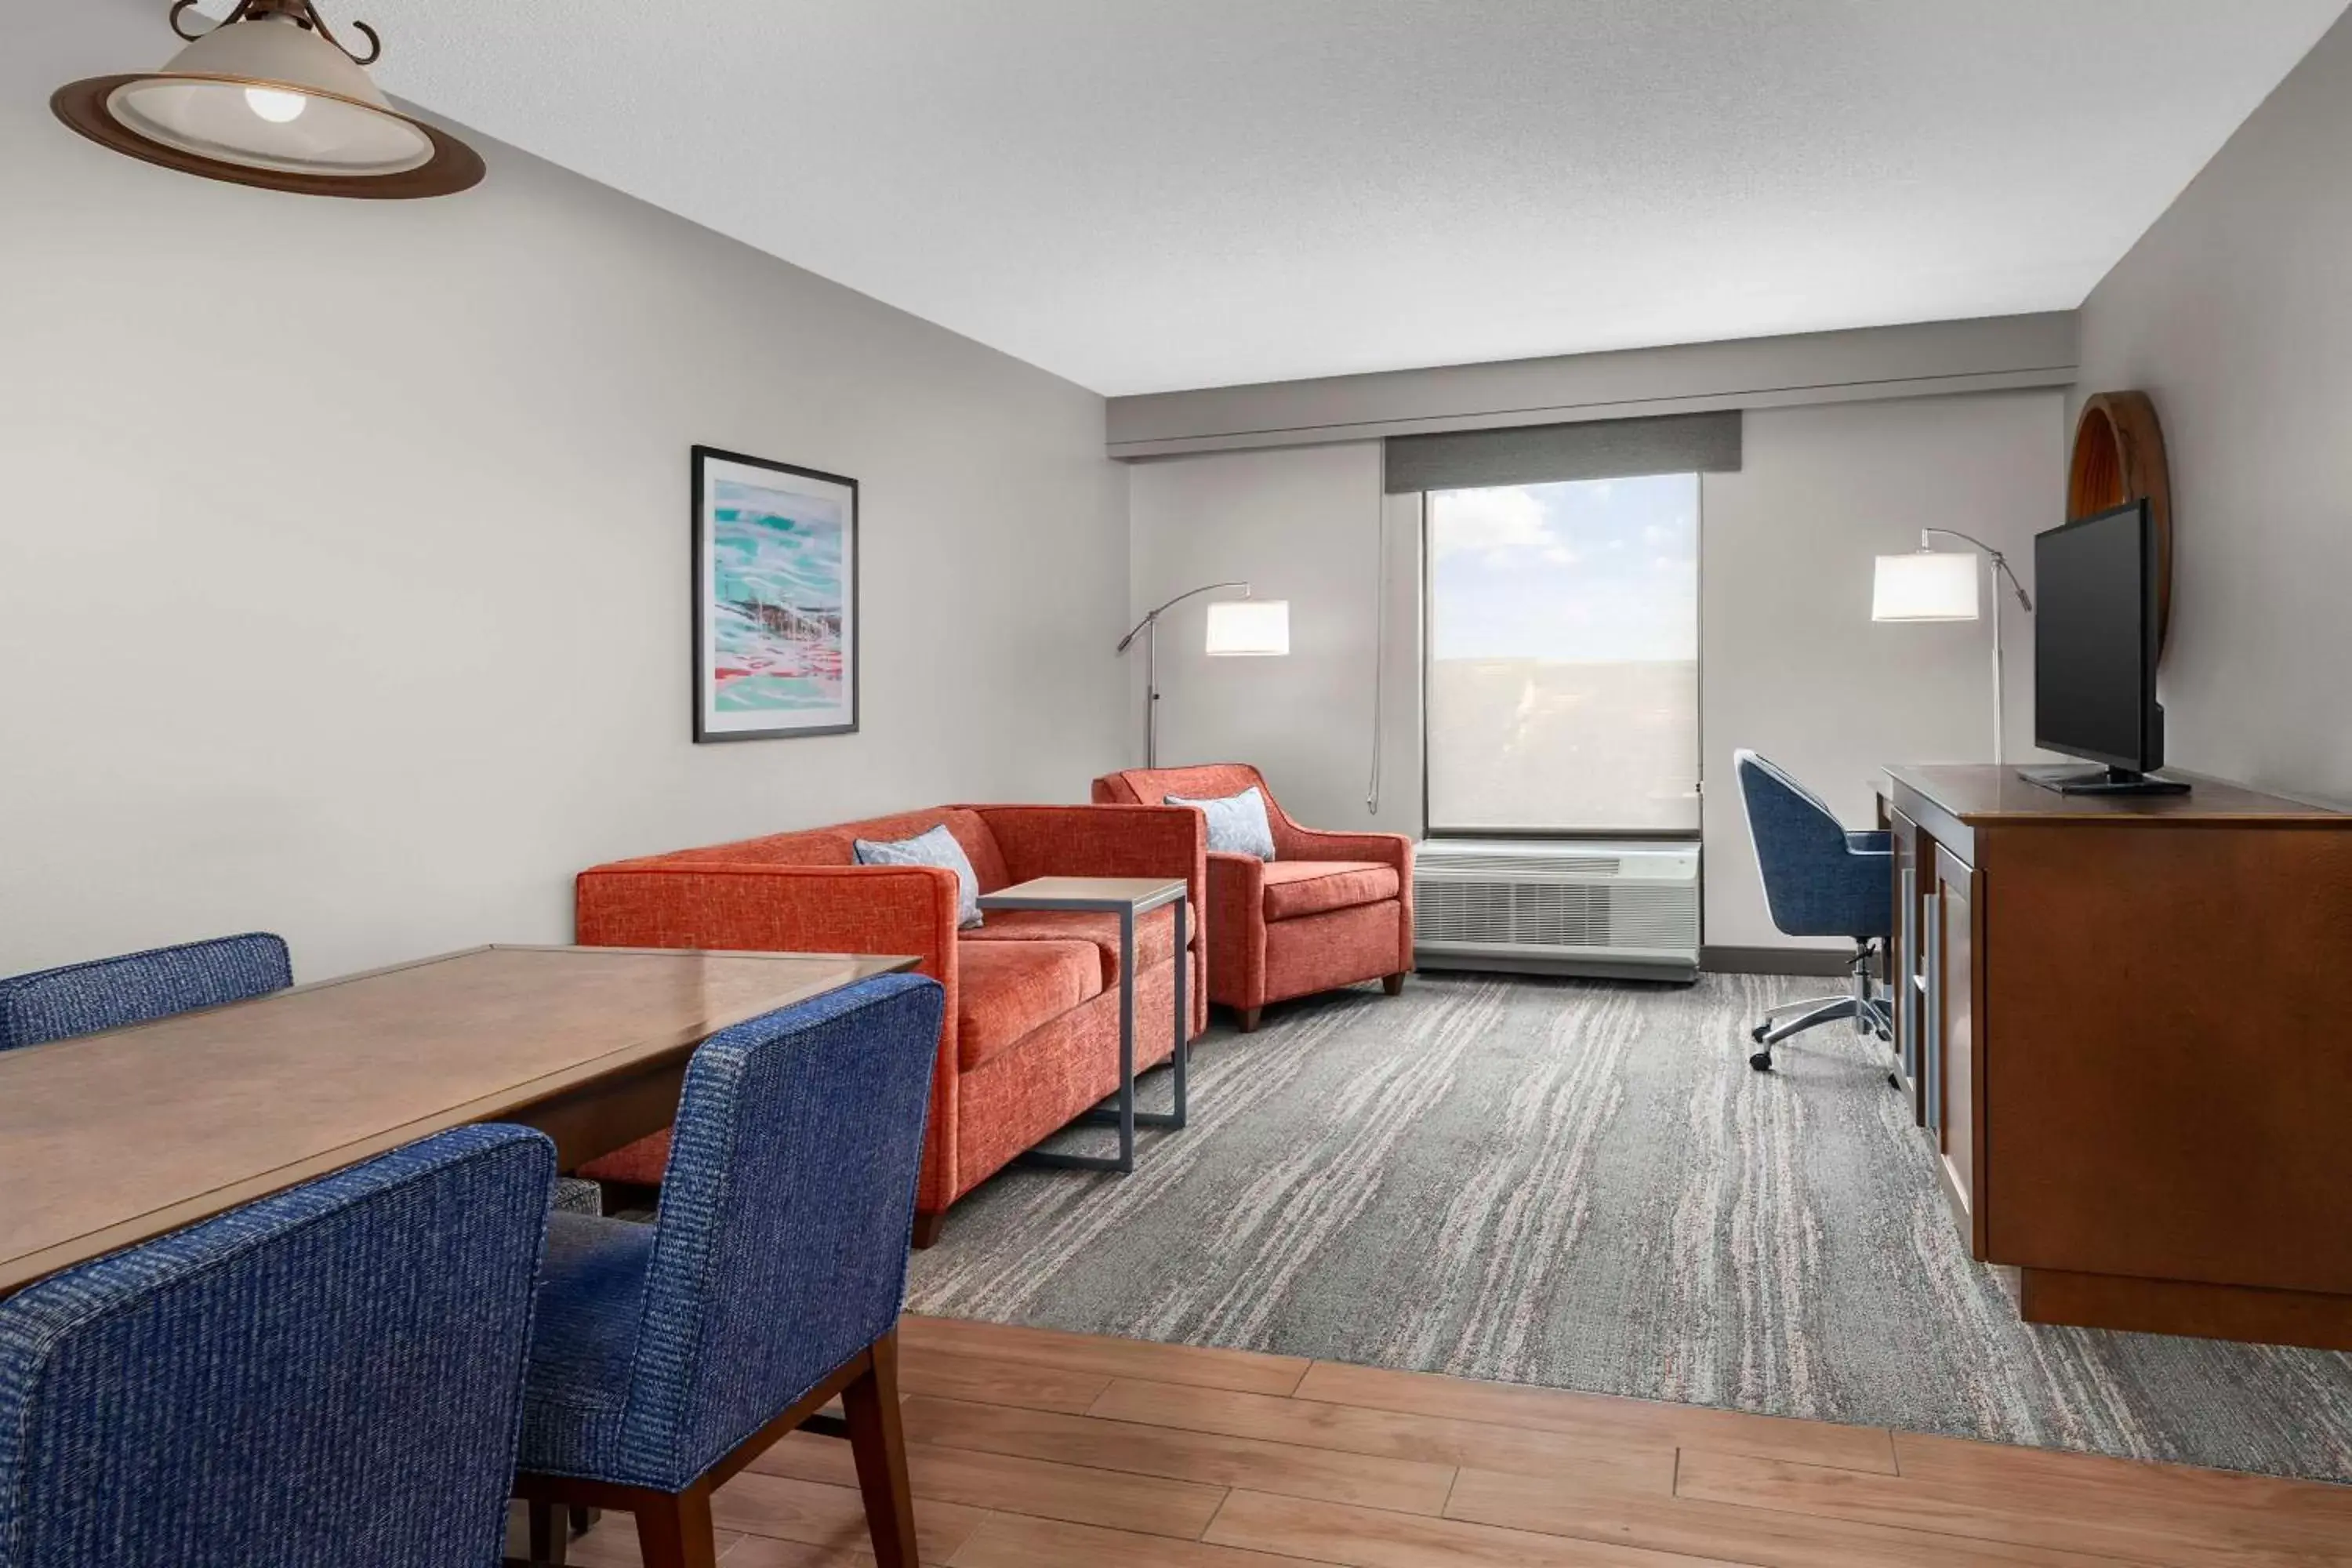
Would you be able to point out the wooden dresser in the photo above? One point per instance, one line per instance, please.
(2126, 1023)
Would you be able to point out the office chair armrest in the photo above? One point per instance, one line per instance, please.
(1879, 842)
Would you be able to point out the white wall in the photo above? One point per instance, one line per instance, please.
(1306, 524)
(1791, 663)
(344, 545)
(2234, 314)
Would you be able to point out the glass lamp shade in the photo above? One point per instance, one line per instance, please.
(1925, 586)
(267, 101)
(1249, 629)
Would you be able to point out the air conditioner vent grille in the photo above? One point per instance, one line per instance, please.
(1558, 903)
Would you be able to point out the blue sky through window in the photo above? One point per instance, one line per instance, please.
(1562, 690)
(1596, 570)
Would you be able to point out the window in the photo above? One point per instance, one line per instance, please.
(1562, 681)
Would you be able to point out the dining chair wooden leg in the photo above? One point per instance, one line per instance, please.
(676, 1532)
(878, 1446)
(548, 1534)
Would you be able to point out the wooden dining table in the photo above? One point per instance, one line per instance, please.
(112, 1139)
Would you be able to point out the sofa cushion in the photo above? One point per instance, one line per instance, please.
(833, 846)
(1004, 989)
(1155, 934)
(1296, 887)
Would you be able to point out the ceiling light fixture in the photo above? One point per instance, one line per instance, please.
(268, 96)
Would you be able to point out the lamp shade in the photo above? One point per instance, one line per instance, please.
(1246, 628)
(1925, 586)
(268, 98)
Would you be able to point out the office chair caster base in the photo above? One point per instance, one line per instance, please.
(1761, 1061)
(1893, 1082)
(1759, 1032)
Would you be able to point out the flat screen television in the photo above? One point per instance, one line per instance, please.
(2094, 648)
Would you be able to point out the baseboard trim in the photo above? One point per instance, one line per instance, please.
(1559, 968)
(1773, 960)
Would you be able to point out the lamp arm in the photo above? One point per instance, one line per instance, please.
(1999, 562)
(1154, 613)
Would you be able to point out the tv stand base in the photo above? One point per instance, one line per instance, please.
(2101, 780)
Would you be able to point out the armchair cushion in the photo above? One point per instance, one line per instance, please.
(1155, 934)
(591, 1298)
(1296, 887)
(1237, 823)
(1011, 987)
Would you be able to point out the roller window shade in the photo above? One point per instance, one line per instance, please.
(1551, 454)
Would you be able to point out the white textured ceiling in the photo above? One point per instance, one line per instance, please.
(1202, 192)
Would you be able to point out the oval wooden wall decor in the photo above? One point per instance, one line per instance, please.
(2119, 458)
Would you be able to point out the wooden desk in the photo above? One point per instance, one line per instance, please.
(2123, 1019)
(115, 1138)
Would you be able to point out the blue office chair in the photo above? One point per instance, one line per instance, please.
(140, 988)
(332, 1374)
(1819, 880)
(670, 1355)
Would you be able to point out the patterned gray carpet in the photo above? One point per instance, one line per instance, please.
(1581, 1184)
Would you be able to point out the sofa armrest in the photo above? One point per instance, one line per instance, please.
(1236, 922)
(1293, 842)
(900, 910)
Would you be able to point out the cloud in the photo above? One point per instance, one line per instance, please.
(1493, 520)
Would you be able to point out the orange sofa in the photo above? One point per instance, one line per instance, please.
(1329, 909)
(1031, 1034)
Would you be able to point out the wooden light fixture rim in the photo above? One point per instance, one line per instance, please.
(454, 166)
(2119, 456)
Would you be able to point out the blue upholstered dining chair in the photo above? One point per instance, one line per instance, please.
(668, 1355)
(332, 1375)
(140, 988)
(1820, 879)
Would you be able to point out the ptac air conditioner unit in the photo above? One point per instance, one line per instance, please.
(1558, 907)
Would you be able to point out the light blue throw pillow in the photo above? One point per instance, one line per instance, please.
(937, 847)
(1237, 823)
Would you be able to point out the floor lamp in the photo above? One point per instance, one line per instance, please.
(1238, 628)
(1929, 584)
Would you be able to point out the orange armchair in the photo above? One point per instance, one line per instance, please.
(1329, 909)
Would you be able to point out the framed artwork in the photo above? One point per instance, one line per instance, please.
(775, 599)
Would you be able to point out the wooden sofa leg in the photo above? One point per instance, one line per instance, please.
(928, 1227)
(878, 1448)
(1393, 984)
(1249, 1017)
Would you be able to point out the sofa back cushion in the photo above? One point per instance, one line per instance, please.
(834, 845)
(1151, 786)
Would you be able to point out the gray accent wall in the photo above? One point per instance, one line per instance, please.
(344, 545)
(2235, 313)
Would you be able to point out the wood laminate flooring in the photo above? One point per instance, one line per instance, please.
(1031, 1449)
